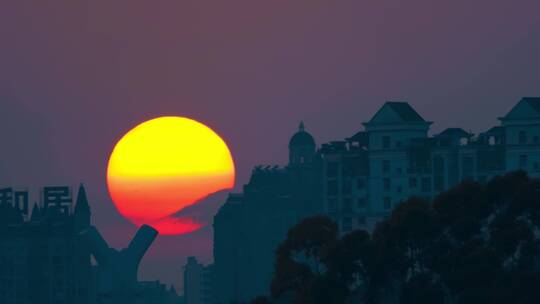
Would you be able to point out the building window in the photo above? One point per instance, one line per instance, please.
(361, 183)
(399, 189)
(426, 184)
(386, 184)
(332, 205)
(362, 203)
(522, 137)
(332, 169)
(387, 203)
(347, 205)
(361, 221)
(346, 224)
(398, 144)
(413, 182)
(468, 168)
(386, 142)
(523, 161)
(536, 139)
(399, 171)
(347, 186)
(332, 187)
(386, 166)
(536, 166)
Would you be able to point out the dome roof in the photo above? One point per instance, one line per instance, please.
(301, 138)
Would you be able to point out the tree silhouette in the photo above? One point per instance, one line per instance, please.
(300, 259)
(476, 243)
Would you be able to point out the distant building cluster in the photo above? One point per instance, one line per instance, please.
(45, 254)
(41, 258)
(357, 182)
(45, 258)
(393, 158)
(197, 280)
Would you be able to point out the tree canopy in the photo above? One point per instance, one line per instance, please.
(476, 243)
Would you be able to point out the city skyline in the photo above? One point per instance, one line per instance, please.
(318, 148)
(76, 76)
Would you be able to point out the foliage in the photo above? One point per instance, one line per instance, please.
(473, 244)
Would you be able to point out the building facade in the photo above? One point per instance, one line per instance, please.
(394, 158)
(250, 226)
(357, 182)
(197, 282)
(43, 259)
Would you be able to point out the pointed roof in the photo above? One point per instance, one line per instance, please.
(526, 108)
(495, 130)
(82, 201)
(36, 213)
(361, 137)
(534, 102)
(454, 132)
(396, 112)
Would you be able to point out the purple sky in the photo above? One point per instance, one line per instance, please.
(76, 75)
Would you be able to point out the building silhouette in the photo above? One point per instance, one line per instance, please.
(249, 226)
(43, 260)
(156, 292)
(45, 256)
(357, 182)
(197, 282)
(393, 158)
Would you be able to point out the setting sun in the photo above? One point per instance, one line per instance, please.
(164, 165)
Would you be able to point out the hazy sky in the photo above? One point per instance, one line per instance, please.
(76, 75)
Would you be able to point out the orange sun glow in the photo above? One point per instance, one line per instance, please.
(164, 165)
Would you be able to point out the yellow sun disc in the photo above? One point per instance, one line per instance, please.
(164, 165)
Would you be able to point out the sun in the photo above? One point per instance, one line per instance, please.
(165, 165)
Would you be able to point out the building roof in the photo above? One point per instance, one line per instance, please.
(82, 201)
(361, 136)
(405, 111)
(301, 138)
(36, 213)
(396, 112)
(526, 108)
(495, 130)
(534, 102)
(454, 132)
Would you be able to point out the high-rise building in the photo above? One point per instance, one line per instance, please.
(43, 260)
(155, 292)
(358, 181)
(394, 157)
(193, 272)
(197, 282)
(250, 226)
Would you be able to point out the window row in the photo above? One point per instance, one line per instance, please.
(347, 223)
(425, 184)
(348, 204)
(332, 186)
(387, 143)
(523, 138)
